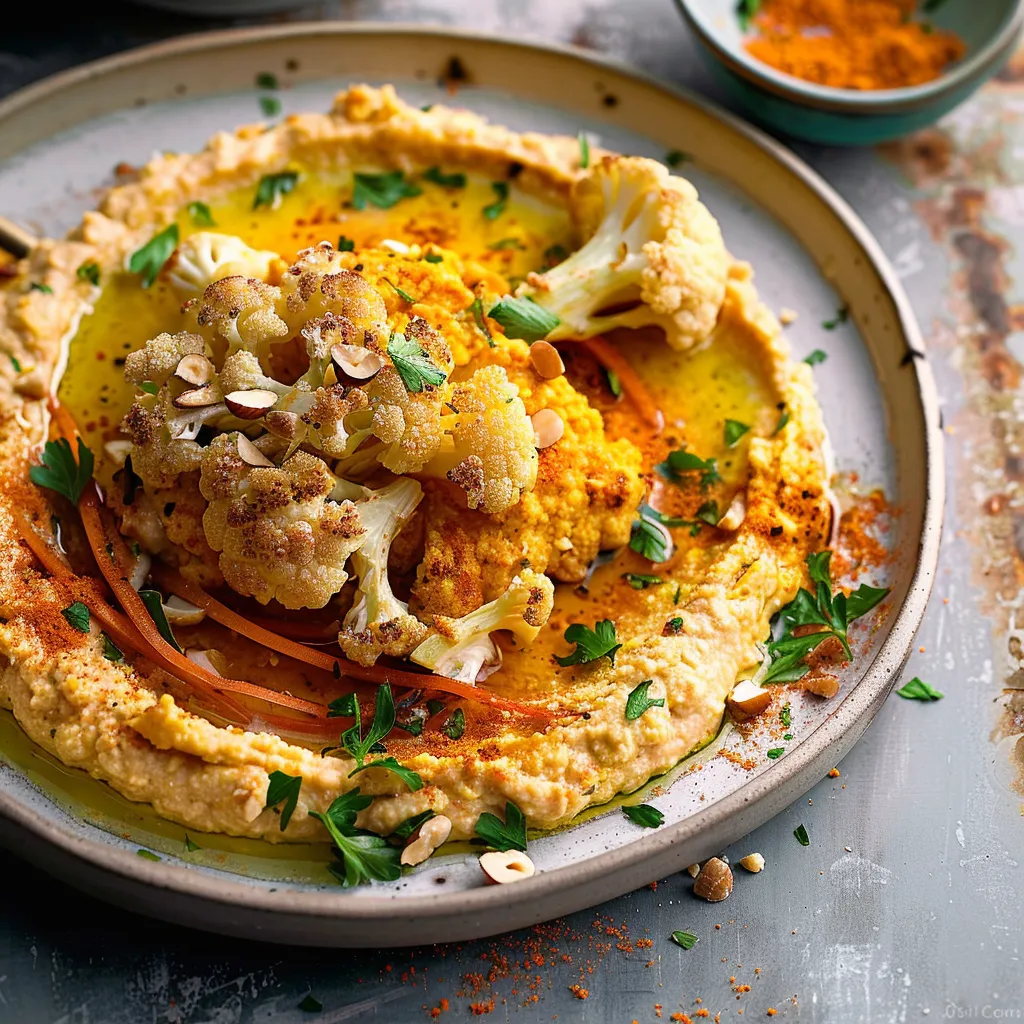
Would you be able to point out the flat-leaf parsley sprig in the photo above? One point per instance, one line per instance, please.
(832, 613)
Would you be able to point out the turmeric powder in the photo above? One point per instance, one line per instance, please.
(852, 44)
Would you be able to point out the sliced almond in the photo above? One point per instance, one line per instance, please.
(753, 862)
(511, 866)
(251, 455)
(548, 428)
(283, 424)
(180, 613)
(30, 384)
(546, 360)
(250, 405)
(431, 834)
(355, 361)
(747, 700)
(714, 883)
(194, 369)
(736, 513)
(197, 398)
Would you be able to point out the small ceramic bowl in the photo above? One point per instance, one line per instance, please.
(852, 117)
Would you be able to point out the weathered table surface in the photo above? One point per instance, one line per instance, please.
(909, 901)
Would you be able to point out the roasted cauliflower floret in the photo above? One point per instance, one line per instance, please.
(299, 415)
(378, 623)
(278, 535)
(653, 255)
(462, 648)
(207, 256)
(317, 284)
(489, 447)
(407, 400)
(241, 310)
(159, 358)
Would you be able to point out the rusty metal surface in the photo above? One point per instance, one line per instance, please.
(908, 902)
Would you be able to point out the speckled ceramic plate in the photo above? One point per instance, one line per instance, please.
(59, 141)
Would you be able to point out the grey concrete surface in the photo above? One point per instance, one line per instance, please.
(908, 902)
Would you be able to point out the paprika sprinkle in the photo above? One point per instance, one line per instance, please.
(851, 44)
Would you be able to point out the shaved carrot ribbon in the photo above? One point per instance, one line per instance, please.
(194, 594)
(611, 359)
(114, 573)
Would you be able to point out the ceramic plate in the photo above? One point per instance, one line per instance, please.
(59, 141)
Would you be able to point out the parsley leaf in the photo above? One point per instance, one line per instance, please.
(591, 644)
(708, 513)
(523, 318)
(675, 157)
(497, 208)
(16, 363)
(150, 259)
(832, 612)
(382, 190)
(783, 420)
(284, 789)
(842, 315)
(362, 855)
(111, 651)
(638, 702)
(734, 430)
(641, 581)
(455, 726)
(817, 356)
(403, 295)
(614, 384)
(154, 602)
(436, 257)
(200, 214)
(35, 286)
(644, 814)
(273, 187)
(355, 744)
(584, 149)
(414, 727)
(435, 707)
(407, 775)
(190, 845)
(310, 1004)
(266, 80)
(509, 834)
(648, 537)
(477, 309)
(270, 106)
(454, 180)
(147, 855)
(801, 836)
(407, 827)
(918, 689)
(414, 366)
(681, 461)
(89, 272)
(776, 752)
(60, 472)
(77, 616)
(786, 715)
(685, 939)
(346, 244)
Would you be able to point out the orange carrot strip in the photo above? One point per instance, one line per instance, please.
(117, 626)
(377, 674)
(611, 359)
(99, 538)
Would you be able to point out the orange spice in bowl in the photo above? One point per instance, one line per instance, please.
(851, 44)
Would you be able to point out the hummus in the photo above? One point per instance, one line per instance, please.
(486, 211)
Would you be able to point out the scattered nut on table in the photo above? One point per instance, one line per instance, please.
(694, 870)
(714, 883)
(753, 862)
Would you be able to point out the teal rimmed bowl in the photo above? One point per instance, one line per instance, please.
(851, 117)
